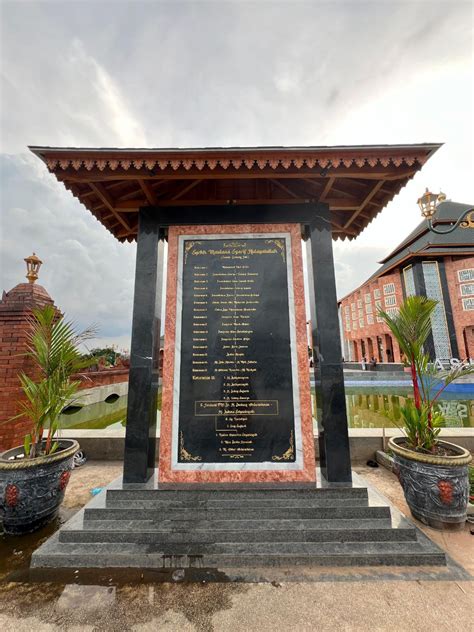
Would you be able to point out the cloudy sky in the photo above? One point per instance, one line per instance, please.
(176, 74)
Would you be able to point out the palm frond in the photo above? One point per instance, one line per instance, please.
(52, 345)
(412, 324)
(411, 327)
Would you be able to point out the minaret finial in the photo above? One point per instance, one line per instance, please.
(33, 264)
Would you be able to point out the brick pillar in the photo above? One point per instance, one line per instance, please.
(370, 348)
(376, 349)
(396, 350)
(15, 308)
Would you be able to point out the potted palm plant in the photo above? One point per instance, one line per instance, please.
(432, 472)
(34, 476)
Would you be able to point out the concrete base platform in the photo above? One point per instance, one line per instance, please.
(234, 535)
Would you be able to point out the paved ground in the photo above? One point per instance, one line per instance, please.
(395, 606)
(460, 546)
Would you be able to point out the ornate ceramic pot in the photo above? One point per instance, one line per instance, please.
(31, 491)
(436, 487)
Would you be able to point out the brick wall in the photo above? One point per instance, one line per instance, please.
(104, 377)
(361, 327)
(15, 308)
(463, 319)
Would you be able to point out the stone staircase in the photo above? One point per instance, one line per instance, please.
(157, 529)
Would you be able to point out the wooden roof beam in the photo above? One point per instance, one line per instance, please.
(347, 202)
(284, 188)
(327, 188)
(130, 206)
(340, 228)
(332, 186)
(367, 199)
(148, 191)
(185, 189)
(129, 195)
(109, 202)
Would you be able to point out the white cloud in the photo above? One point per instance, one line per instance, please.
(86, 271)
(124, 126)
(233, 73)
(68, 99)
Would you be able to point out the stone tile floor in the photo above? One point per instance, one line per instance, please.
(361, 604)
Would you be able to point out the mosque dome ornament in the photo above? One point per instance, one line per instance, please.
(429, 203)
(33, 264)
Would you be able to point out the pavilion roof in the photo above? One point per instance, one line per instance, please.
(355, 181)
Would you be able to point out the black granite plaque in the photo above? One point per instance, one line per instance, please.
(236, 382)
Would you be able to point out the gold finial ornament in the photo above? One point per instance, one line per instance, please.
(429, 202)
(33, 264)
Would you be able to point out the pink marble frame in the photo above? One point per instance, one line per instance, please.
(175, 478)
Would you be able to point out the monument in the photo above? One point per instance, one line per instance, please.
(236, 435)
(236, 398)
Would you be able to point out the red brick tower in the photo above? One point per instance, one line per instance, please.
(15, 308)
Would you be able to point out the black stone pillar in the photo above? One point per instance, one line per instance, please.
(140, 437)
(334, 453)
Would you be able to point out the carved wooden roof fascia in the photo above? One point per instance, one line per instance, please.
(334, 162)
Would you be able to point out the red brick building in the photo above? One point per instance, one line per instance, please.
(425, 263)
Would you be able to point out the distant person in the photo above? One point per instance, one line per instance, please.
(364, 364)
(389, 355)
(373, 363)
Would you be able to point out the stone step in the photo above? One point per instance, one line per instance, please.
(237, 555)
(230, 505)
(174, 540)
(189, 526)
(266, 548)
(235, 513)
(235, 494)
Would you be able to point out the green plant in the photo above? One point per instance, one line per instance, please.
(53, 347)
(411, 326)
(108, 354)
(421, 432)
